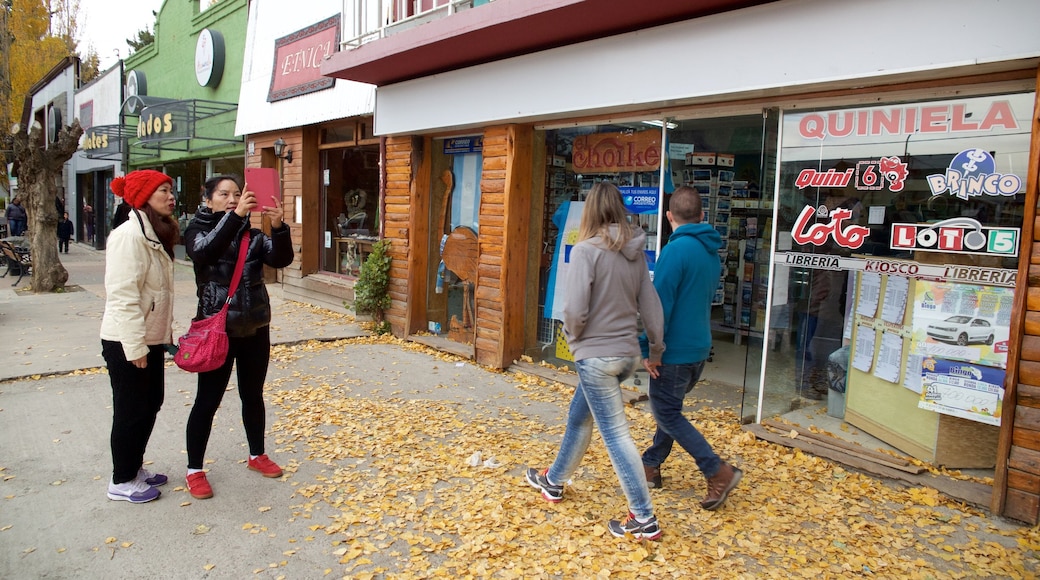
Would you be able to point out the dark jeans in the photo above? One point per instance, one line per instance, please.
(63, 244)
(666, 402)
(250, 355)
(137, 396)
(16, 227)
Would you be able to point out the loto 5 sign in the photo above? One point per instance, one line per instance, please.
(956, 236)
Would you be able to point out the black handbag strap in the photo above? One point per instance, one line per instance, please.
(243, 249)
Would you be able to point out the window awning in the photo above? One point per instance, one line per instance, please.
(176, 124)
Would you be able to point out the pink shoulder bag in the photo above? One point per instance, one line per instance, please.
(205, 346)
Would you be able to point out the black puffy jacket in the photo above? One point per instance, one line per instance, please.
(212, 241)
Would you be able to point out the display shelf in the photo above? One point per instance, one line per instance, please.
(743, 221)
(351, 253)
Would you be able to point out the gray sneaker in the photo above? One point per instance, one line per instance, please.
(649, 530)
(539, 480)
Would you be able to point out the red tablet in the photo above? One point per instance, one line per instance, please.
(263, 181)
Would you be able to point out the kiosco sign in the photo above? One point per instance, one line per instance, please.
(956, 236)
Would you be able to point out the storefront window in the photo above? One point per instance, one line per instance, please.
(625, 154)
(350, 187)
(730, 161)
(896, 252)
(457, 165)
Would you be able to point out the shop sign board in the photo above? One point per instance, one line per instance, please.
(1003, 277)
(463, 145)
(938, 118)
(615, 152)
(973, 173)
(209, 58)
(97, 141)
(868, 175)
(956, 236)
(968, 391)
(298, 57)
(846, 235)
(163, 122)
(640, 199)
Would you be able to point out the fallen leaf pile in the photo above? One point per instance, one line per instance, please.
(400, 497)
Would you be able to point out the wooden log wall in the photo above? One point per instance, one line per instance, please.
(399, 222)
(1017, 477)
(505, 210)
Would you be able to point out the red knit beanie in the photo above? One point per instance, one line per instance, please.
(139, 185)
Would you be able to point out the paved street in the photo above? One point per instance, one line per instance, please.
(380, 442)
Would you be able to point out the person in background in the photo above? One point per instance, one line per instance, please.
(685, 277)
(121, 214)
(88, 222)
(16, 217)
(212, 241)
(65, 232)
(607, 285)
(136, 326)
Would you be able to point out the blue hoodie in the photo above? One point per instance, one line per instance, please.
(686, 276)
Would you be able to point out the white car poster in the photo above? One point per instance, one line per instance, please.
(962, 322)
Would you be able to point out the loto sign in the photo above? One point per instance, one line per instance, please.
(846, 235)
(956, 236)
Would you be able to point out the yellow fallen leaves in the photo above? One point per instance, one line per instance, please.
(396, 497)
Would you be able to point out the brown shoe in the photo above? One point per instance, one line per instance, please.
(653, 476)
(719, 486)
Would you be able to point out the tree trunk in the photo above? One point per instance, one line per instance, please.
(40, 173)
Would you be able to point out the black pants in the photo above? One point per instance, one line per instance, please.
(137, 396)
(63, 244)
(250, 356)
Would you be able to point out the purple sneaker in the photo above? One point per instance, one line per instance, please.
(133, 491)
(152, 479)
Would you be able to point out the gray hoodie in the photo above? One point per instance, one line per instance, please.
(603, 292)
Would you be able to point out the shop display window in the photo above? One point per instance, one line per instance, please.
(457, 167)
(350, 188)
(896, 251)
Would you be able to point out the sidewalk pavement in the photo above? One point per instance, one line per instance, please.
(406, 463)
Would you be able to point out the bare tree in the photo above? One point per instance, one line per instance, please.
(39, 176)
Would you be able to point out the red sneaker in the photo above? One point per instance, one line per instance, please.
(265, 466)
(198, 485)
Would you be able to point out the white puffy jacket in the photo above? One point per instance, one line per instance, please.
(138, 288)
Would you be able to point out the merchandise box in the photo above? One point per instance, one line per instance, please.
(725, 160)
(704, 158)
(726, 176)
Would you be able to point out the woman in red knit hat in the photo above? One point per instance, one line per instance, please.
(137, 324)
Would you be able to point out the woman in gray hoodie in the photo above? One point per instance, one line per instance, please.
(607, 284)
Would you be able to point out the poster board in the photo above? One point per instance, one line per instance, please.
(890, 410)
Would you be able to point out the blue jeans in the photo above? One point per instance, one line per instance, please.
(598, 397)
(666, 402)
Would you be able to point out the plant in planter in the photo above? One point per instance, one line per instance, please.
(372, 289)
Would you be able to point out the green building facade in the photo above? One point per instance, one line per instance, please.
(181, 96)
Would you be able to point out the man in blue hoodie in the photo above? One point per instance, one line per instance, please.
(685, 277)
